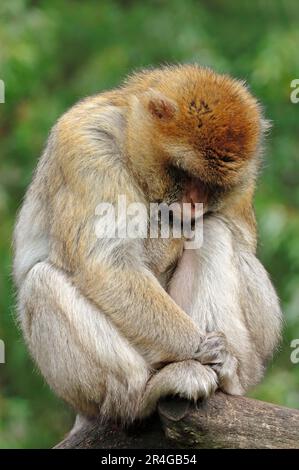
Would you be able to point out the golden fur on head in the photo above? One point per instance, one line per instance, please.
(205, 123)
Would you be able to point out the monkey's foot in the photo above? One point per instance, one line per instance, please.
(188, 379)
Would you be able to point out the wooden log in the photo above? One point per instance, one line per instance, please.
(225, 422)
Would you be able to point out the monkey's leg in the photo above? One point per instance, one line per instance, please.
(80, 353)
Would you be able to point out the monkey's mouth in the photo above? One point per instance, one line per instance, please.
(193, 189)
(198, 196)
(195, 192)
(191, 202)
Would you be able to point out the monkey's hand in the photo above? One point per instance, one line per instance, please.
(215, 353)
(187, 379)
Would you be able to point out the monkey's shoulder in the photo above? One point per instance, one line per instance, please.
(91, 122)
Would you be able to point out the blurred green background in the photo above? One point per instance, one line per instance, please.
(53, 53)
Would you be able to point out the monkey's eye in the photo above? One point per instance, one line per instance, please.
(227, 159)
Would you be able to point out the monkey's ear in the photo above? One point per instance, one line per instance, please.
(160, 106)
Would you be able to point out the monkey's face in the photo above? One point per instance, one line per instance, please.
(184, 188)
(206, 126)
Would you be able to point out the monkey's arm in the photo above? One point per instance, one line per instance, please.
(261, 310)
(111, 272)
(142, 311)
(258, 299)
(231, 293)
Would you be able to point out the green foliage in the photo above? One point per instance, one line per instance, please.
(53, 53)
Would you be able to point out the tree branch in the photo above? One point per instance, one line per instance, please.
(222, 422)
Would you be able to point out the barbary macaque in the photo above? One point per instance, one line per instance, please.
(115, 323)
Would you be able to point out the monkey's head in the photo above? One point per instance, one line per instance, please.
(192, 122)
